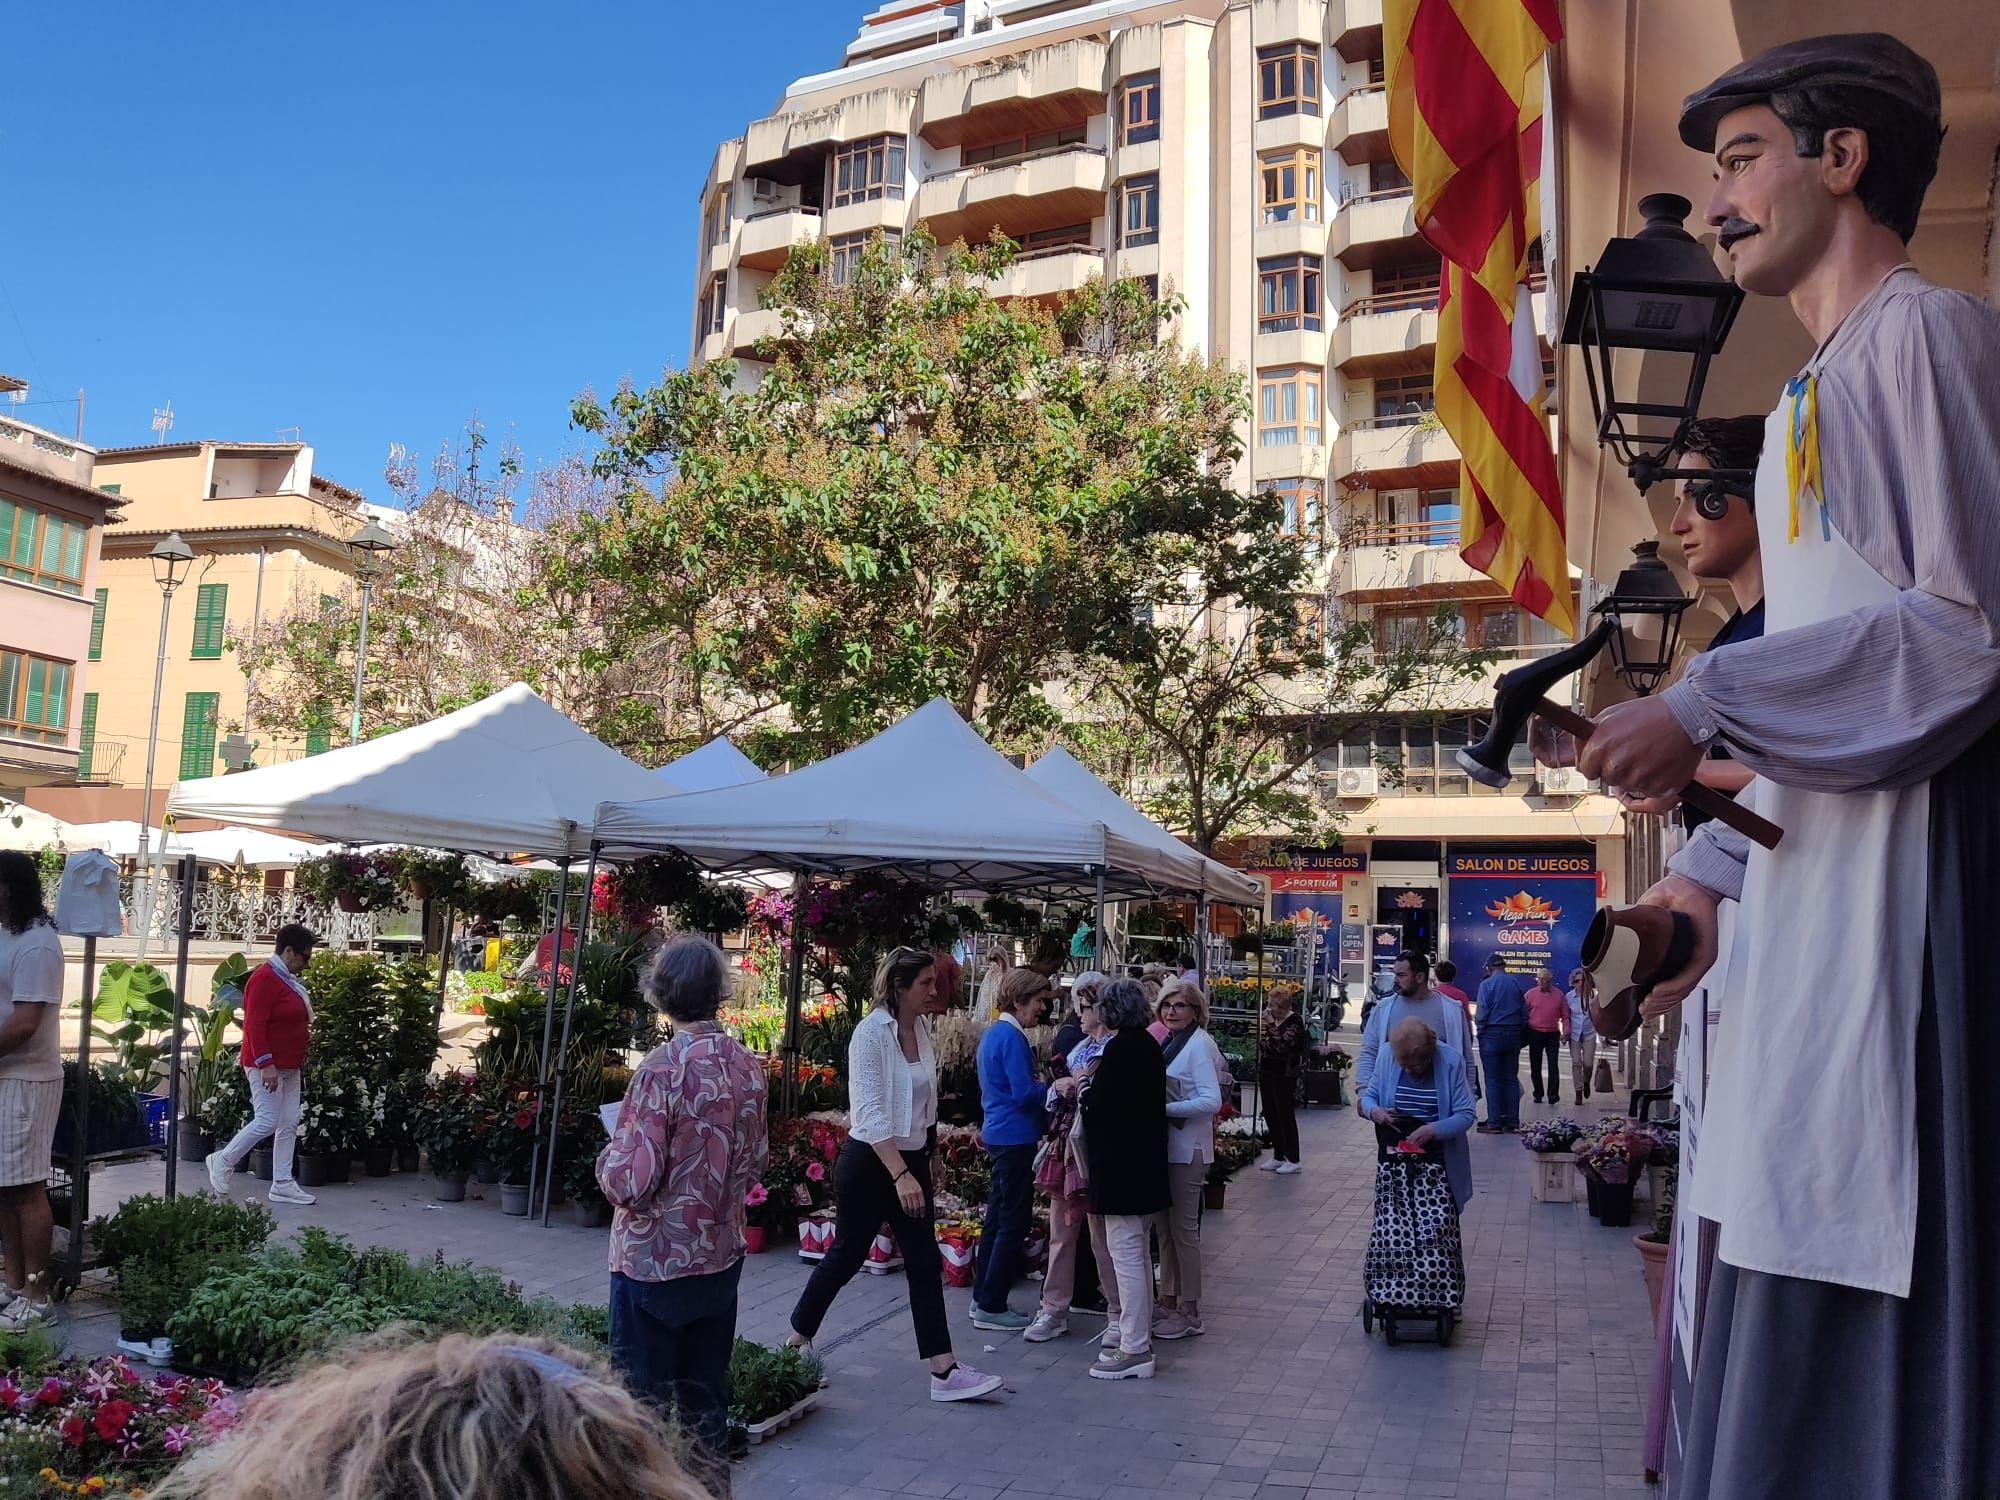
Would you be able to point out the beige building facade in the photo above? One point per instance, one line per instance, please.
(1233, 154)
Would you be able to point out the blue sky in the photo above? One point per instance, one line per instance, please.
(369, 221)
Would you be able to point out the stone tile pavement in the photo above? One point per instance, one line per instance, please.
(1540, 1397)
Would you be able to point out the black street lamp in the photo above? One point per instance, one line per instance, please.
(172, 559)
(1644, 609)
(369, 546)
(1658, 293)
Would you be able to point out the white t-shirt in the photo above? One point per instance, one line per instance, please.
(923, 1105)
(31, 971)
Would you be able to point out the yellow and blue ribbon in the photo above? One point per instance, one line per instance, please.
(1802, 466)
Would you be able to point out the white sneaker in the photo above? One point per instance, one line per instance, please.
(289, 1192)
(1287, 1168)
(1268, 1166)
(1045, 1328)
(218, 1173)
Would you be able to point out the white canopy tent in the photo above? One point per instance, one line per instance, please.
(253, 848)
(505, 775)
(24, 827)
(1066, 776)
(716, 764)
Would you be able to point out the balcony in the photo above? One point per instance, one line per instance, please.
(1374, 229)
(1360, 126)
(1048, 274)
(1046, 89)
(1396, 562)
(793, 148)
(1042, 191)
(1394, 453)
(1392, 334)
(766, 238)
(46, 453)
(751, 327)
(1357, 29)
(29, 762)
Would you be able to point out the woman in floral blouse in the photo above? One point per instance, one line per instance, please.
(690, 1141)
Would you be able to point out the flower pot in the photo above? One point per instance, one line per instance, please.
(594, 1214)
(1653, 1264)
(1211, 1194)
(514, 1198)
(420, 888)
(339, 1166)
(378, 1161)
(1593, 1193)
(1323, 1088)
(1555, 1177)
(348, 902)
(450, 1187)
(195, 1142)
(756, 1239)
(260, 1163)
(312, 1169)
(407, 1159)
(1614, 1204)
(486, 1172)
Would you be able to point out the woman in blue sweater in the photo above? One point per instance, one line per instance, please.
(1013, 1102)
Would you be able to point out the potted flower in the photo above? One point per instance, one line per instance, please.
(433, 875)
(353, 882)
(576, 1179)
(322, 1135)
(1612, 1160)
(1326, 1069)
(762, 1216)
(510, 1144)
(402, 1096)
(1655, 1243)
(448, 1125)
(1550, 1141)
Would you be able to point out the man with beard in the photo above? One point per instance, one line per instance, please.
(1851, 1346)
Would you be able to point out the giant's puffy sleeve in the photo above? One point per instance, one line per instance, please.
(1887, 695)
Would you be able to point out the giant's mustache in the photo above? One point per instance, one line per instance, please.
(1733, 230)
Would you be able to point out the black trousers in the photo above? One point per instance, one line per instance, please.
(864, 1200)
(672, 1341)
(1543, 1044)
(1280, 1096)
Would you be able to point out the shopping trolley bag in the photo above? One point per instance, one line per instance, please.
(1415, 1262)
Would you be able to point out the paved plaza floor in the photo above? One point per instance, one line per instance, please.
(1540, 1397)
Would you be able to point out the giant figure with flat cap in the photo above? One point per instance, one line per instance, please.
(1851, 1343)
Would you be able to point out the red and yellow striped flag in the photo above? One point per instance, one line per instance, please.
(1465, 122)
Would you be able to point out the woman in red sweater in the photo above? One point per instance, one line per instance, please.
(277, 1014)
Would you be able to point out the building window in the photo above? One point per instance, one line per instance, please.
(718, 217)
(1403, 399)
(211, 613)
(198, 718)
(1407, 287)
(708, 316)
(1427, 518)
(97, 624)
(1301, 499)
(863, 170)
(1288, 294)
(36, 547)
(1288, 407)
(1139, 211)
(1387, 177)
(1288, 80)
(843, 260)
(1016, 147)
(1291, 184)
(34, 697)
(86, 738)
(1139, 109)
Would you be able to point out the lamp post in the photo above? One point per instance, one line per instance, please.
(171, 558)
(1644, 609)
(369, 545)
(1660, 294)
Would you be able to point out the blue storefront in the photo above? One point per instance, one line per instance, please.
(1533, 907)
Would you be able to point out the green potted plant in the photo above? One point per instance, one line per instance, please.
(159, 1250)
(353, 882)
(1655, 1243)
(510, 1143)
(576, 1180)
(770, 1388)
(448, 1124)
(434, 875)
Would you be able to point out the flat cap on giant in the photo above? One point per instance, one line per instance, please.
(1865, 60)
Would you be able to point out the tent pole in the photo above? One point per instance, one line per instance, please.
(795, 983)
(562, 1056)
(549, 1019)
(444, 966)
(1201, 941)
(1097, 950)
(79, 1164)
(180, 1017)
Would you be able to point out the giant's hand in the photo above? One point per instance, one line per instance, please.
(1639, 748)
(1697, 904)
(1551, 746)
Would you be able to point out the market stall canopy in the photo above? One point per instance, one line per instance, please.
(253, 848)
(926, 798)
(117, 837)
(716, 764)
(24, 827)
(1066, 776)
(505, 775)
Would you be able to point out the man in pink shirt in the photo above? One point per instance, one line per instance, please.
(1548, 1025)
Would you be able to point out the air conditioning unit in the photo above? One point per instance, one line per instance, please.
(1562, 781)
(1359, 781)
(763, 190)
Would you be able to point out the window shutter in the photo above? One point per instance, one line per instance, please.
(87, 736)
(211, 611)
(198, 736)
(97, 625)
(318, 740)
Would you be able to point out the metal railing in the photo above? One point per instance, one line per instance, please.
(1070, 247)
(773, 210)
(223, 913)
(1075, 149)
(1407, 534)
(1411, 299)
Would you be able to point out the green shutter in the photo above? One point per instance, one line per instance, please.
(38, 691)
(55, 708)
(211, 609)
(112, 489)
(318, 740)
(87, 737)
(97, 625)
(198, 736)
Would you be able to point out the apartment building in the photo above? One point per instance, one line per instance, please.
(1237, 155)
(52, 522)
(268, 534)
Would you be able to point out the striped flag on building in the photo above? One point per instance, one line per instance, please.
(1465, 121)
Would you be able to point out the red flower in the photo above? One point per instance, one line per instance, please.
(111, 1419)
(72, 1429)
(51, 1393)
(523, 1119)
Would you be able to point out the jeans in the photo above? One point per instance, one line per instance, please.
(1180, 1231)
(864, 1200)
(1131, 1265)
(1545, 1044)
(1003, 1237)
(1500, 1055)
(671, 1340)
(1073, 1233)
(1280, 1096)
(277, 1116)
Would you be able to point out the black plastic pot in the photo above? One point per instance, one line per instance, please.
(378, 1161)
(195, 1142)
(1614, 1204)
(260, 1163)
(407, 1159)
(312, 1169)
(339, 1167)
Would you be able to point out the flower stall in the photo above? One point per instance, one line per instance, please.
(1550, 1142)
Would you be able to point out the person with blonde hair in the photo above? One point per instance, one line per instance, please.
(462, 1418)
(1194, 1098)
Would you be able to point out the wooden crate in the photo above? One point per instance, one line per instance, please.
(1555, 1177)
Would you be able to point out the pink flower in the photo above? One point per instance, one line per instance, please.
(51, 1393)
(815, 1172)
(72, 1430)
(756, 1196)
(111, 1419)
(175, 1439)
(10, 1394)
(100, 1383)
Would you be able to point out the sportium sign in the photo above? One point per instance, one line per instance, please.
(1531, 908)
(1301, 870)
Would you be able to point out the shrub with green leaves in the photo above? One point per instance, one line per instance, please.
(765, 1381)
(161, 1249)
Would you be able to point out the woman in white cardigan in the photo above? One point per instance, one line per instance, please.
(1194, 1098)
(884, 1172)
